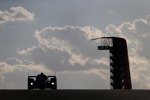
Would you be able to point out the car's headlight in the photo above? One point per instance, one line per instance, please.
(31, 83)
(52, 83)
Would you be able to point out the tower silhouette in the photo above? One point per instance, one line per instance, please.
(119, 62)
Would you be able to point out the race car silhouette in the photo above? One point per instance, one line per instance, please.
(42, 82)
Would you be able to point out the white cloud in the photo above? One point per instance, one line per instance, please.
(16, 14)
(26, 51)
(14, 64)
(69, 49)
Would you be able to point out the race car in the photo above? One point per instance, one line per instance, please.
(42, 82)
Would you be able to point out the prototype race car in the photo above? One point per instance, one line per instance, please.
(42, 82)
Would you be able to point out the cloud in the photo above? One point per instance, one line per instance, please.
(67, 48)
(16, 14)
(13, 64)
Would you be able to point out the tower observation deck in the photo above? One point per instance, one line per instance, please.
(119, 62)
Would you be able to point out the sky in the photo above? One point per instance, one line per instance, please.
(54, 37)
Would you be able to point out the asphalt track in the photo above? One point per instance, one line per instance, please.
(74, 94)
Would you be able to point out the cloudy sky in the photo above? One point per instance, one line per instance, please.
(53, 36)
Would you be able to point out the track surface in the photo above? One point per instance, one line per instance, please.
(75, 94)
